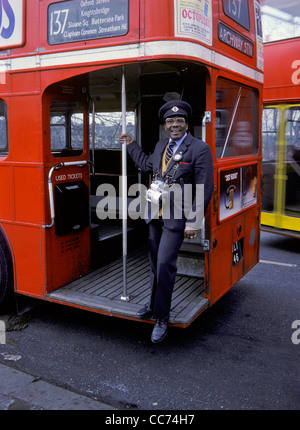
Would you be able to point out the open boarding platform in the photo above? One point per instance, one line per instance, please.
(101, 291)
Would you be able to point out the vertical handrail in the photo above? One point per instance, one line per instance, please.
(93, 130)
(124, 190)
(204, 242)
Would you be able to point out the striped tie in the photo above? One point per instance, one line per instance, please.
(169, 152)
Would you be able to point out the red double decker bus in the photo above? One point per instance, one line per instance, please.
(281, 119)
(73, 74)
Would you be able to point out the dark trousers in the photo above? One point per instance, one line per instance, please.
(164, 246)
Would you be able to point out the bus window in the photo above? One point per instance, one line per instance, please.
(66, 125)
(108, 126)
(292, 133)
(3, 129)
(236, 120)
(270, 127)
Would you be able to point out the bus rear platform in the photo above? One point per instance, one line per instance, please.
(102, 290)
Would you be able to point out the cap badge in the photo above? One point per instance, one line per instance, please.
(175, 109)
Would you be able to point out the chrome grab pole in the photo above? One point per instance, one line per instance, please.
(93, 130)
(124, 190)
(204, 242)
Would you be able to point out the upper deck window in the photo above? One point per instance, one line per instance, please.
(3, 129)
(236, 120)
(238, 10)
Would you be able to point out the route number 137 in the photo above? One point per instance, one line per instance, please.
(58, 21)
(235, 8)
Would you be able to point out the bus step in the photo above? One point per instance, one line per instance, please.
(191, 259)
(191, 265)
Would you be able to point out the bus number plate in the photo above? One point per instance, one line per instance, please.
(237, 252)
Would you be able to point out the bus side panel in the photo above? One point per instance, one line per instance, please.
(68, 257)
(27, 249)
(27, 191)
(220, 262)
(234, 251)
(25, 133)
(5, 193)
(282, 56)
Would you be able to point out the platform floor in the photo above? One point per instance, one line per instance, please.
(101, 291)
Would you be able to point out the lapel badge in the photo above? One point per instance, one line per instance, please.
(178, 157)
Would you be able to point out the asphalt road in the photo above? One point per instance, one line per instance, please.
(242, 354)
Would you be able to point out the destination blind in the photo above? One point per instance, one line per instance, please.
(80, 20)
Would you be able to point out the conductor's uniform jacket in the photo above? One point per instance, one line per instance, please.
(166, 233)
(195, 167)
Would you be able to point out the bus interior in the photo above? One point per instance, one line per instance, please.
(85, 123)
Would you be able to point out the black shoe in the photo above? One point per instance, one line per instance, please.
(145, 312)
(160, 330)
